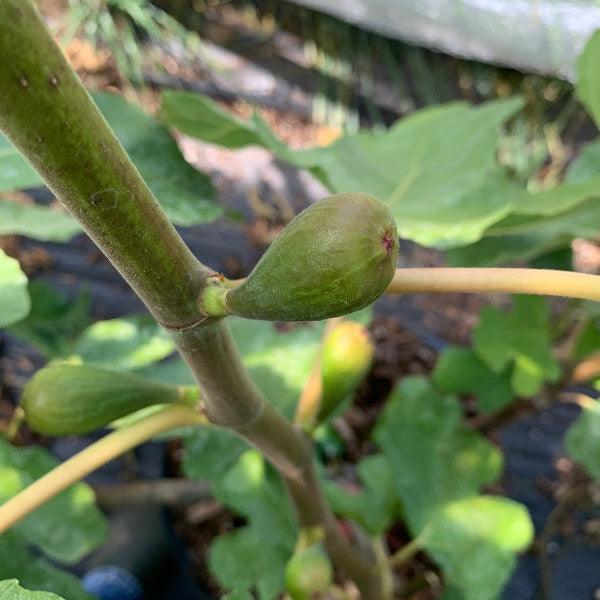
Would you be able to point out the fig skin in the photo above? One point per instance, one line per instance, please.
(308, 572)
(67, 399)
(335, 257)
(346, 358)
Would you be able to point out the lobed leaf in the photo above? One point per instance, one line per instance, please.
(519, 340)
(461, 371)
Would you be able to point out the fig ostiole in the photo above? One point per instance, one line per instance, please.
(346, 357)
(66, 399)
(337, 256)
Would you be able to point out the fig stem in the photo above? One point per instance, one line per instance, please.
(94, 456)
(545, 282)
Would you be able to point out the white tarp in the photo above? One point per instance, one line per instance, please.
(532, 35)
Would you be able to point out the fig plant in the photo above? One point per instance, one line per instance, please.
(335, 258)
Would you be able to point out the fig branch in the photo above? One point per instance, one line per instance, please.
(543, 282)
(94, 456)
(48, 115)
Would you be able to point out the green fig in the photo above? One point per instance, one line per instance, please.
(334, 258)
(66, 399)
(308, 572)
(346, 357)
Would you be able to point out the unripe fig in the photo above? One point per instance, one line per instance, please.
(65, 399)
(346, 357)
(308, 572)
(335, 257)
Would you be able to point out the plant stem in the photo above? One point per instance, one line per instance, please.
(168, 492)
(404, 554)
(94, 456)
(514, 281)
(47, 114)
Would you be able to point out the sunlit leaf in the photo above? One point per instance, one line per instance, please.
(125, 343)
(14, 299)
(435, 459)
(67, 527)
(11, 590)
(476, 540)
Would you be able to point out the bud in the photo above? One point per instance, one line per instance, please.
(346, 358)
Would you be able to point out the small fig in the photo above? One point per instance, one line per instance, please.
(308, 572)
(346, 357)
(334, 258)
(65, 399)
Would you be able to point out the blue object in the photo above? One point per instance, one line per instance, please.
(109, 582)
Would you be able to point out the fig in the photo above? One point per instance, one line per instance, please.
(308, 572)
(66, 399)
(346, 357)
(334, 258)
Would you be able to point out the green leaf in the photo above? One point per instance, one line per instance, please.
(14, 299)
(186, 195)
(65, 528)
(588, 341)
(441, 192)
(11, 590)
(254, 556)
(460, 371)
(15, 173)
(235, 595)
(582, 441)
(520, 340)
(124, 344)
(586, 165)
(35, 572)
(376, 506)
(37, 222)
(588, 77)
(435, 459)
(439, 466)
(200, 117)
(475, 541)
(54, 322)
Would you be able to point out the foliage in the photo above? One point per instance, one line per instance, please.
(185, 194)
(65, 529)
(519, 340)
(14, 299)
(11, 590)
(582, 441)
(438, 469)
